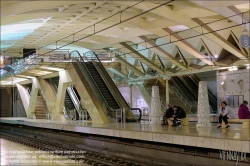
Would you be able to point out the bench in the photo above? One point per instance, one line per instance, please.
(245, 122)
(184, 121)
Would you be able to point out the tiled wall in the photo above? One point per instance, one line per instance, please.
(231, 79)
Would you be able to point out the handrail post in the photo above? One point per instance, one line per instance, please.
(124, 115)
(116, 117)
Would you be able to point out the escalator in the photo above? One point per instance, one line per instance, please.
(189, 85)
(182, 87)
(71, 101)
(103, 87)
(211, 97)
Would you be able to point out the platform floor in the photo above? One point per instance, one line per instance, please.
(235, 138)
(13, 153)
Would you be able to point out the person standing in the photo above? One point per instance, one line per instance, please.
(226, 112)
(178, 114)
(243, 111)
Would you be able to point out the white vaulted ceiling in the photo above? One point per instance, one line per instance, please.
(36, 24)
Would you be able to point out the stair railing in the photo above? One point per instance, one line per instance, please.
(181, 97)
(112, 87)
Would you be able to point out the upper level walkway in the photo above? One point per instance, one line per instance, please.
(234, 139)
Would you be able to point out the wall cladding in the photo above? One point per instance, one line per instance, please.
(231, 86)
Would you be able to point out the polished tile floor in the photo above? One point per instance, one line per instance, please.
(235, 132)
(13, 153)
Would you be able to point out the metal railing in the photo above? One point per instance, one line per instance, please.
(21, 66)
(35, 60)
(182, 97)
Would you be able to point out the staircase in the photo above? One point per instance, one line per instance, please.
(41, 108)
(102, 86)
(173, 98)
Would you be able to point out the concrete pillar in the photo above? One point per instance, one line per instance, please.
(203, 106)
(24, 96)
(64, 81)
(33, 97)
(155, 109)
(49, 94)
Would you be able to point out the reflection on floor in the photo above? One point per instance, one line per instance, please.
(234, 132)
(234, 138)
(13, 153)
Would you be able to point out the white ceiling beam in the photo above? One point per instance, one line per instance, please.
(217, 38)
(117, 72)
(28, 6)
(185, 45)
(182, 57)
(128, 65)
(184, 19)
(84, 12)
(129, 50)
(159, 51)
(24, 17)
(227, 11)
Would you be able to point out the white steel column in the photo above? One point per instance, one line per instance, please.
(167, 88)
(131, 96)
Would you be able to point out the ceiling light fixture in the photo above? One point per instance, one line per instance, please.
(233, 69)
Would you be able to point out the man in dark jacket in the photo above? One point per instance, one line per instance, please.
(168, 114)
(178, 114)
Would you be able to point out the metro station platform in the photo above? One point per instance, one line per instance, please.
(233, 139)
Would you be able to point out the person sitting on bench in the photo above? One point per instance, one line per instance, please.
(178, 114)
(168, 114)
(243, 111)
(226, 112)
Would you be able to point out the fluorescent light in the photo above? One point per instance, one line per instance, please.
(51, 68)
(223, 83)
(233, 69)
(216, 56)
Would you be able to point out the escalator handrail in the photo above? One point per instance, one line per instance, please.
(117, 93)
(109, 85)
(79, 107)
(93, 84)
(92, 80)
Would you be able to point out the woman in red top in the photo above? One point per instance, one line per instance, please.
(243, 111)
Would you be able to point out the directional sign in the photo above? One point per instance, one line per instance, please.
(245, 41)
